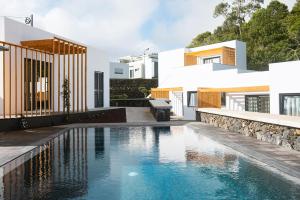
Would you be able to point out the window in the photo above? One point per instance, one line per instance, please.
(131, 73)
(290, 104)
(98, 89)
(119, 71)
(212, 60)
(155, 74)
(192, 99)
(257, 103)
(223, 99)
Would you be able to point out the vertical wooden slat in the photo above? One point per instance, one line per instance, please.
(52, 77)
(64, 72)
(16, 83)
(41, 60)
(9, 81)
(48, 86)
(58, 77)
(31, 80)
(36, 83)
(26, 87)
(73, 74)
(69, 66)
(77, 72)
(45, 65)
(81, 80)
(4, 65)
(85, 81)
(21, 82)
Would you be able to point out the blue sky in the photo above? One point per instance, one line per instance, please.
(122, 27)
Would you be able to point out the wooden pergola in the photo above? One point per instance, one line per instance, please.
(51, 57)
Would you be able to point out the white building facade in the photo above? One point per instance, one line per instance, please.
(139, 67)
(217, 76)
(35, 65)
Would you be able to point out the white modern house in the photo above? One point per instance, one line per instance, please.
(138, 67)
(216, 76)
(34, 64)
(119, 70)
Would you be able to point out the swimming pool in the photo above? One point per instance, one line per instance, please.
(141, 163)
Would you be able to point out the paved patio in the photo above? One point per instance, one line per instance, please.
(139, 114)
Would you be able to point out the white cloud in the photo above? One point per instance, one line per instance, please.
(112, 25)
(116, 26)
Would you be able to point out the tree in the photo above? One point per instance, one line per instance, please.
(201, 39)
(293, 25)
(235, 15)
(237, 12)
(267, 36)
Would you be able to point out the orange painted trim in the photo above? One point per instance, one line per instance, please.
(263, 88)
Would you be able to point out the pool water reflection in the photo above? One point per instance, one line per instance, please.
(141, 163)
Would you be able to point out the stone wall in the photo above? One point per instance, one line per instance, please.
(287, 137)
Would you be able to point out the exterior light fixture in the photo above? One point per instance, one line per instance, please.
(3, 48)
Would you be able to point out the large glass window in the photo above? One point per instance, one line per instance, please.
(192, 98)
(257, 103)
(119, 71)
(290, 104)
(216, 59)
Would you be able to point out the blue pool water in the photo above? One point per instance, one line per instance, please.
(141, 163)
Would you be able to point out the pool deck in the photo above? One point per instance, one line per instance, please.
(139, 114)
(280, 160)
(276, 158)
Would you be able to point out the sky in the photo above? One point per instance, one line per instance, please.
(122, 27)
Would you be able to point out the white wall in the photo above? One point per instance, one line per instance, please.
(123, 66)
(284, 79)
(167, 61)
(97, 61)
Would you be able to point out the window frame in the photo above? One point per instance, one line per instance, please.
(281, 98)
(258, 106)
(189, 98)
(212, 58)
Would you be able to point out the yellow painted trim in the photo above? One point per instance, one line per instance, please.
(263, 88)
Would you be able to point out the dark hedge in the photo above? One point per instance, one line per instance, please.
(129, 87)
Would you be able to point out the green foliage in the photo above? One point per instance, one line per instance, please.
(293, 24)
(272, 34)
(267, 36)
(144, 90)
(130, 87)
(121, 96)
(235, 14)
(66, 95)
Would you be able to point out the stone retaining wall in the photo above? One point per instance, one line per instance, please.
(287, 137)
